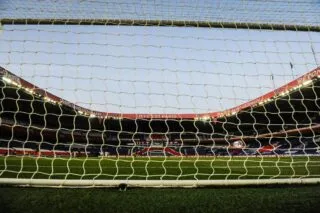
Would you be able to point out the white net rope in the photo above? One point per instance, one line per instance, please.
(115, 102)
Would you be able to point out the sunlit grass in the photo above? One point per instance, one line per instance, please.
(208, 168)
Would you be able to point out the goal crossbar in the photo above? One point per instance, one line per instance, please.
(167, 23)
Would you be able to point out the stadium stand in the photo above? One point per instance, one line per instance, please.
(59, 128)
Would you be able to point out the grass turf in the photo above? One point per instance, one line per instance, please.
(160, 167)
(248, 199)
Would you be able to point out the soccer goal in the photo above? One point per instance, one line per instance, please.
(168, 94)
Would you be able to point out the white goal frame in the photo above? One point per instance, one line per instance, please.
(163, 183)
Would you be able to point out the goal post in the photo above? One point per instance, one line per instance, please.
(159, 101)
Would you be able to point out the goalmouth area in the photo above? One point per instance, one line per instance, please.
(126, 169)
(62, 144)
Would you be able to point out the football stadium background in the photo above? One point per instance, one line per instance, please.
(164, 90)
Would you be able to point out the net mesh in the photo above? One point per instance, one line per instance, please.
(303, 12)
(232, 93)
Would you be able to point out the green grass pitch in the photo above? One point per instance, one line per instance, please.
(280, 198)
(157, 168)
(205, 200)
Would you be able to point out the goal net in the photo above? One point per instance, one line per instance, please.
(179, 93)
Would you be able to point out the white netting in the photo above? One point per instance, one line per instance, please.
(248, 11)
(84, 99)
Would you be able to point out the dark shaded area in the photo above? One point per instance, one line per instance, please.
(242, 199)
